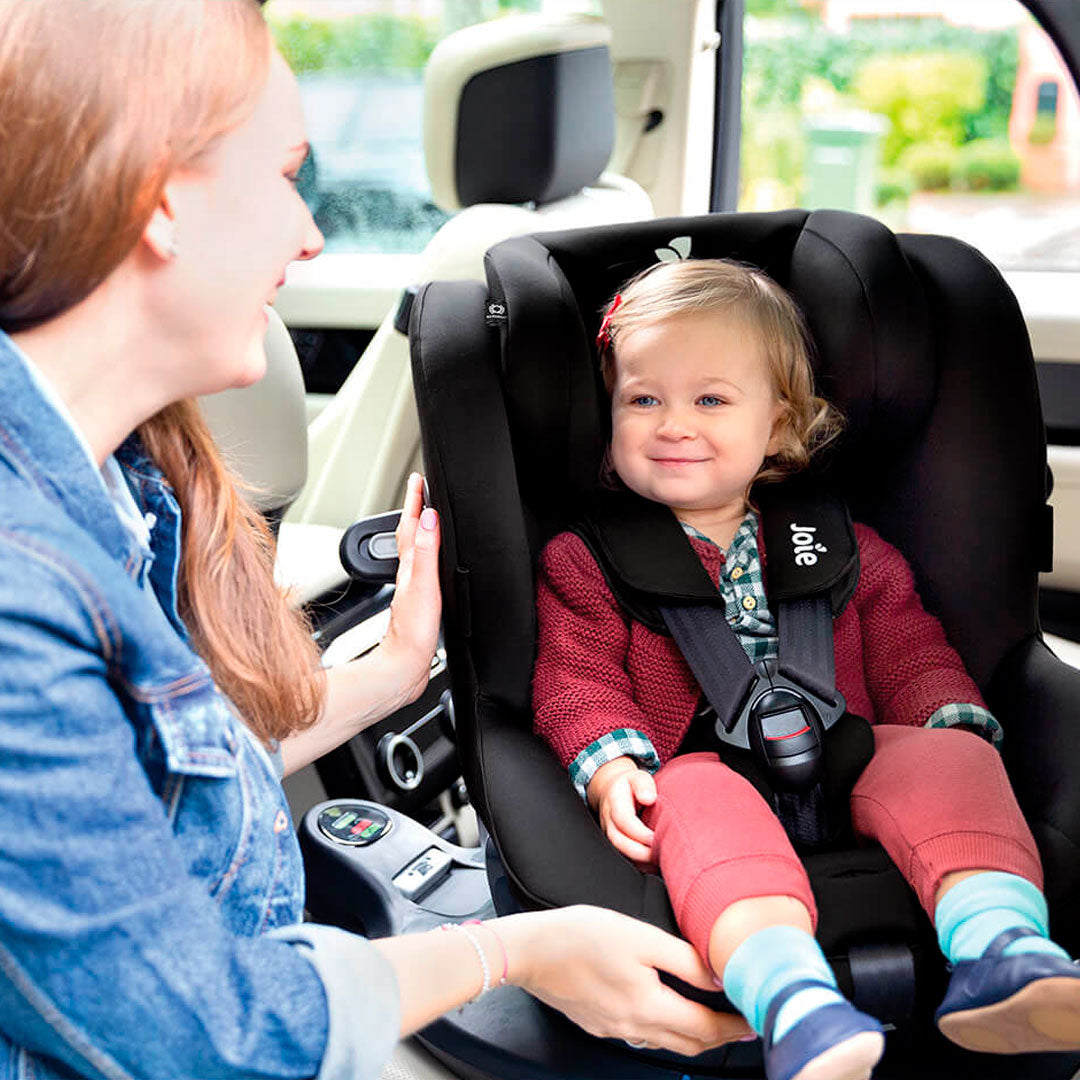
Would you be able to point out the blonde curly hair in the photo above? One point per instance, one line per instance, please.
(704, 286)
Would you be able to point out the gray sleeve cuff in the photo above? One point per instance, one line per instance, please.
(361, 998)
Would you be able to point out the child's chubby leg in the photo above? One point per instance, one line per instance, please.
(741, 896)
(940, 803)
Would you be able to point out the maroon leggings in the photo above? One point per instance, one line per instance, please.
(937, 800)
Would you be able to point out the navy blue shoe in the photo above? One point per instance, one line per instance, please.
(1019, 1004)
(834, 1042)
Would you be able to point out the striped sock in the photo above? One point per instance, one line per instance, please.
(767, 962)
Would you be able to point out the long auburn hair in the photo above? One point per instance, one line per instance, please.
(100, 102)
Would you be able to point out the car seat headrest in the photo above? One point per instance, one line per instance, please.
(519, 109)
(864, 305)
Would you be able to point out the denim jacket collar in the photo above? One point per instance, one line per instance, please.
(39, 444)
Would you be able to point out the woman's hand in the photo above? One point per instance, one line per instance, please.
(600, 968)
(416, 609)
(615, 792)
(365, 690)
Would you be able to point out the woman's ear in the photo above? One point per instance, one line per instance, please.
(159, 235)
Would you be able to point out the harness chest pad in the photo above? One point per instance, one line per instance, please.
(649, 563)
(809, 543)
(645, 557)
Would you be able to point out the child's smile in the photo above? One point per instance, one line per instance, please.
(693, 413)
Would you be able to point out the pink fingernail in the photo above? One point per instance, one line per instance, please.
(428, 518)
(718, 981)
(749, 1038)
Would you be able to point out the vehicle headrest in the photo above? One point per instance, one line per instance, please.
(864, 305)
(519, 109)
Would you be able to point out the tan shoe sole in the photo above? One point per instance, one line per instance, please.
(1044, 1015)
(852, 1059)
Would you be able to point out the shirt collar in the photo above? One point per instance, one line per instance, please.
(743, 545)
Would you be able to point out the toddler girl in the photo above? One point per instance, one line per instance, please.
(707, 365)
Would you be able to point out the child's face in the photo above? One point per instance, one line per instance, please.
(693, 412)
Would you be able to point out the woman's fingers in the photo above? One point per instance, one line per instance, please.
(679, 958)
(690, 1028)
(681, 1024)
(410, 515)
(600, 968)
(416, 609)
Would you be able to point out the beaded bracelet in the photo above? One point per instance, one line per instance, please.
(481, 956)
(502, 948)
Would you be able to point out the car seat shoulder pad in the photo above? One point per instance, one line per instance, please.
(648, 562)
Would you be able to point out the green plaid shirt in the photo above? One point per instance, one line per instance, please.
(747, 612)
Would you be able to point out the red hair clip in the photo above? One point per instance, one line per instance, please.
(603, 338)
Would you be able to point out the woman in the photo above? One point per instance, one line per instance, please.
(152, 683)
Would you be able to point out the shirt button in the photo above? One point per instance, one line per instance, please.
(736, 573)
(749, 603)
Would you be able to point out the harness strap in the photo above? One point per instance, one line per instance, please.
(883, 978)
(804, 815)
(712, 650)
(805, 630)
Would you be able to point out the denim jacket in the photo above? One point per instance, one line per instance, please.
(150, 882)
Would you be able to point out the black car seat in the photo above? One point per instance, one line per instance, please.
(922, 345)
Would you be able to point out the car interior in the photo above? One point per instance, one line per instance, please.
(574, 149)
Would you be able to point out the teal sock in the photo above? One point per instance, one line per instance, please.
(767, 962)
(972, 913)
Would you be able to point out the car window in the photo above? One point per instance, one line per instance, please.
(360, 67)
(949, 117)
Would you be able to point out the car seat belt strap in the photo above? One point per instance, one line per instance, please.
(718, 661)
(805, 630)
(883, 981)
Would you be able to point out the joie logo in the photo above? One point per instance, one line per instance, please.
(678, 248)
(802, 539)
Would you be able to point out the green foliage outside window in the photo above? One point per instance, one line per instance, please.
(377, 42)
(941, 87)
(988, 165)
(924, 96)
(931, 166)
(369, 42)
(774, 7)
(777, 65)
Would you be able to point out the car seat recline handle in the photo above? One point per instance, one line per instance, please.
(368, 550)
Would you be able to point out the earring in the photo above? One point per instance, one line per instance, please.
(163, 235)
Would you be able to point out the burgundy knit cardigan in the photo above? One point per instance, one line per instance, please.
(596, 671)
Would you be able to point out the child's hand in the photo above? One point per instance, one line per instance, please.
(615, 792)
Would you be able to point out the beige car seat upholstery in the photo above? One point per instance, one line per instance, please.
(262, 433)
(519, 125)
(262, 429)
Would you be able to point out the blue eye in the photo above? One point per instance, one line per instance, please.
(644, 400)
(710, 400)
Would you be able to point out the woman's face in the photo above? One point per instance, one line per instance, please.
(238, 221)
